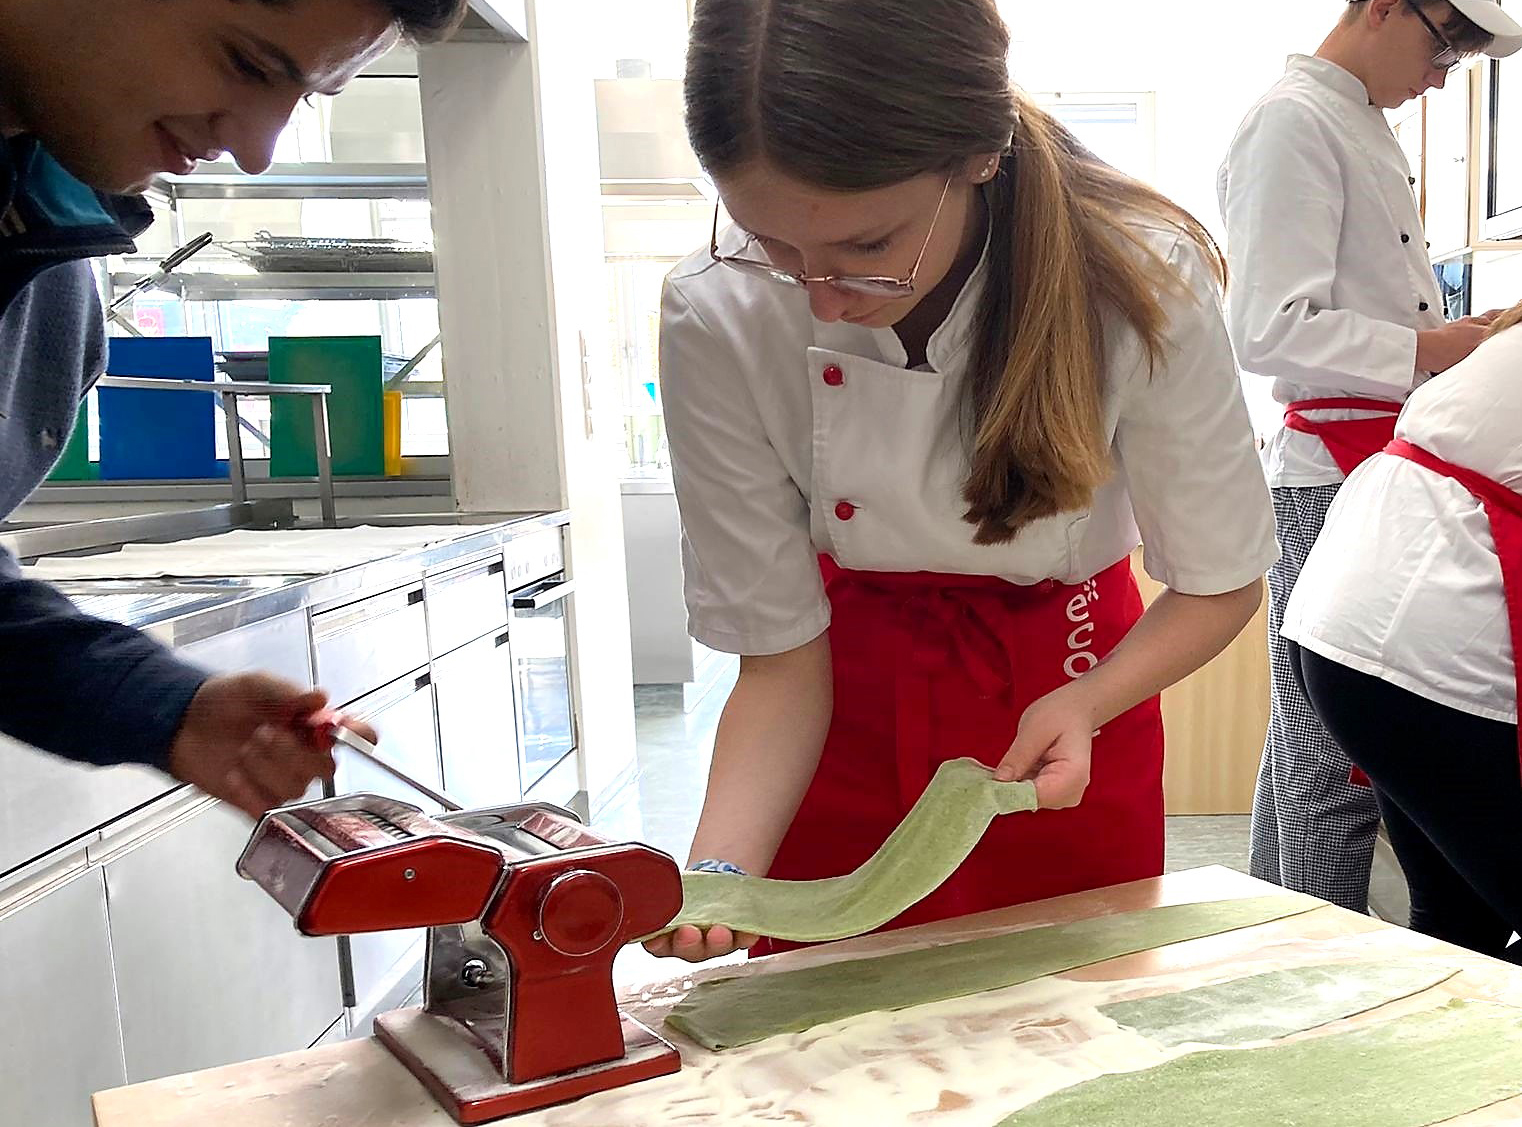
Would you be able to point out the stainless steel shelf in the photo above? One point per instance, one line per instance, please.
(229, 391)
(300, 181)
(316, 285)
(428, 478)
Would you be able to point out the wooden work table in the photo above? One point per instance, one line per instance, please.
(966, 1061)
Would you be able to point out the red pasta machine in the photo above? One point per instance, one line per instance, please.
(526, 909)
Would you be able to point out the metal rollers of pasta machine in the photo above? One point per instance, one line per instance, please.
(526, 909)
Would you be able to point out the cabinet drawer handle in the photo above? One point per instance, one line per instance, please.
(329, 624)
(538, 599)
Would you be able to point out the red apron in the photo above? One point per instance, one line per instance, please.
(1350, 442)
(934, 667)
(1504, 508)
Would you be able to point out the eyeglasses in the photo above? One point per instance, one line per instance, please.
(872, 286)
(1449, 56)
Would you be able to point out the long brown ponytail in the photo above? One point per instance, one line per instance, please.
(860, 94)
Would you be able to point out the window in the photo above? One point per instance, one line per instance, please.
(643, 241)
(640, 39)
(347, 167)
(657, 209)
(1117, 128)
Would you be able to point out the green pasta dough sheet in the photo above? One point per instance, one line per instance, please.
(724, 1013)
(927, 846)
(1266, 1006)
(1409, 1072)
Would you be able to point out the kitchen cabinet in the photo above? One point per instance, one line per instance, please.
(59, 1040)
(464, 604)
(404, 714)
(129, 947)
(46, 802)
(209, 968)
(370, 642)
(476, 728)
(279, 645)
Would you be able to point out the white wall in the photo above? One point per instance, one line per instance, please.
(590, 407)
(663, 652)
(1206, 60)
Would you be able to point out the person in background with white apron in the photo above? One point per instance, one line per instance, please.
(1332, 297)
(1404, 627)
(919, 399)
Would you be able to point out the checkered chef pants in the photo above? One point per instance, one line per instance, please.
(1312, 830)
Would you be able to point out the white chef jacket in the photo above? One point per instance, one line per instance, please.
(1330, 278)
(1404, 583)
(791, 437)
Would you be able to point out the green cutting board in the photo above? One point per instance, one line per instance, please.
(74, 464)
(352, 367)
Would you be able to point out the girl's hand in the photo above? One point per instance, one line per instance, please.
(696, 945)
(1052, 748)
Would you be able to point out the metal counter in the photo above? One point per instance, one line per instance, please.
(133, 873)
(227, 624)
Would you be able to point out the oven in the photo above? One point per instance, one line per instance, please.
(538, 633)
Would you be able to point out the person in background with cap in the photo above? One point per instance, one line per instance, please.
(1334, 299)
(95, 100)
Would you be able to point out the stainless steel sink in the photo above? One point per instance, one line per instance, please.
(142, 602)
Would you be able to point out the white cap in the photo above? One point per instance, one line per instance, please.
(1487, 15)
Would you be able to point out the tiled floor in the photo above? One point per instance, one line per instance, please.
(1219, 839)
(662, 804)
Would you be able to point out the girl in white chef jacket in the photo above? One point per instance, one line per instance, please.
(919, 399)
(1403, 629)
